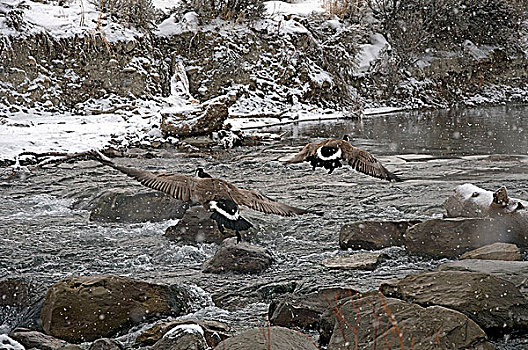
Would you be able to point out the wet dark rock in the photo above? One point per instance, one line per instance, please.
(305, 311)
(495, 251)
(182, 337)
(357, 261)
(33, 339)
(265, 338)
(514, 271)
(272, 290)
(214, 331)
(106, 344)
(91, 307)
(373, 234)
(196, 226)
(238, 257)
(494, 304)
(374, 321)
(14, 292)
(452, 237)
(206, 119)
(137, 207)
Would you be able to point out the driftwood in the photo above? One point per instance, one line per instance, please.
(38, 160)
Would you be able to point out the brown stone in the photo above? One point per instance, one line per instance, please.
(494, 304)
(357, 261)
(452, 237)
(305, 310)
(373, 234)
(238, 257)
(91, 307)
(137, 207)
(377, 322)
(33, 339)
(196, 226)
(214, 331)
(495, 251)
(266, 338)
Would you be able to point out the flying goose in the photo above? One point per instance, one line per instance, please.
(216, 195)
(329, 153)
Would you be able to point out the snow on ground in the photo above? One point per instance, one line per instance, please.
(29, 132)
(301, 8)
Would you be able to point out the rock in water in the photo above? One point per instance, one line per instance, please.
(238, 257)
(495, 251)
(137, 207)
(90, 307)
(268, 338)
(375, 321)
(373, 234)
(494, 304)
(196, 226)
(182, 337)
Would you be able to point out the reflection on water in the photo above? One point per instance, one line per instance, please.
(443, 133)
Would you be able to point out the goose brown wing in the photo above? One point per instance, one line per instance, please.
(176, 185)
(307, 151)
(364, 162)
(259, 202)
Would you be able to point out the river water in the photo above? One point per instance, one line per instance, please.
(46, 234)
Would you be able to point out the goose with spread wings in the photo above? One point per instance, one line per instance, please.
(216, 195)
(329, 153)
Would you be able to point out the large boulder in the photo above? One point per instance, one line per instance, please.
(513, 271)
(238, 257)
(494, 304)
(305, 310)
(214, 331)
(106, 344)
(452, 237)
(375, 321)
(90, 307)
(495, 251)
(137, 207)
(268, 338)
(196, 226)
(373, 234)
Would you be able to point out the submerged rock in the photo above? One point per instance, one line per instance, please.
(375, 321)
(357, 261)
(514, 271)
(238, 257)
(87, 308)
(196, 226)
(495, 251)
(268, 338)
(494, 304)
(373, 234)
(137, 207)
(305, 311)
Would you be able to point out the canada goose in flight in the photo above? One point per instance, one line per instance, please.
(216, 195)
(329, 153)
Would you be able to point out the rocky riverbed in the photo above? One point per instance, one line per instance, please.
(48, 237)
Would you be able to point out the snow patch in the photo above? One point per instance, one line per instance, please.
(8, 343)
(184, 328)
(370, 53)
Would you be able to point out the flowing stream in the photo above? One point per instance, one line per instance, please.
(46, 234)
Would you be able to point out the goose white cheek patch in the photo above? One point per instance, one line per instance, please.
(234, 217)
(334, 156)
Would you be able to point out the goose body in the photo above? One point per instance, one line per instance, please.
(216, 195)
(329, 154)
